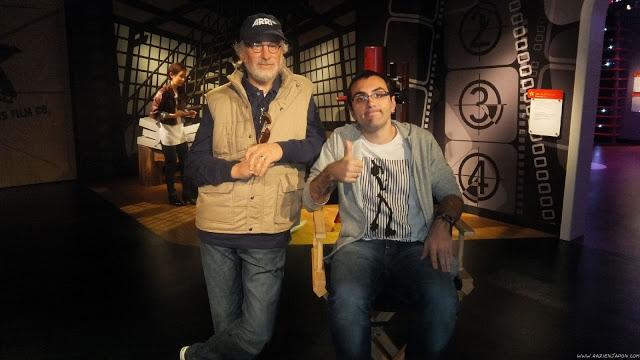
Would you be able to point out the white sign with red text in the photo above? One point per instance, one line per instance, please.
(545, 112)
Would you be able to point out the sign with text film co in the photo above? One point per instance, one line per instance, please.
(546, 111)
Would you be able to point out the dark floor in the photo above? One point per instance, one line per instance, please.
(81, 280)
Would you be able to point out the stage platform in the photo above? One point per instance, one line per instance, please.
(148, 205)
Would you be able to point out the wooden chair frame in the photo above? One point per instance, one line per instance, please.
(382, 347)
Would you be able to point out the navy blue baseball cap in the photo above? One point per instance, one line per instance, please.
(261, 27)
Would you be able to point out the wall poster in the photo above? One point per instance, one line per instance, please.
(36, 130)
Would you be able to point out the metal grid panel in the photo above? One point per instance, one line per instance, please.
(329, 65)
(149, 63)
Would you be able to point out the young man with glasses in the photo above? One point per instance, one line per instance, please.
(393, 238)
(248, 160)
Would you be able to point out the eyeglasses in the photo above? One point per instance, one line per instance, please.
(361, 98)
(256, 47)
(266, 128)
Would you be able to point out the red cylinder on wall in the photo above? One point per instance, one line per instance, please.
(374, 59)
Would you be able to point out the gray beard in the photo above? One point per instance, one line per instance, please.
(264, 76)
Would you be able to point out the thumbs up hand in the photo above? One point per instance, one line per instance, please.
(347, 169)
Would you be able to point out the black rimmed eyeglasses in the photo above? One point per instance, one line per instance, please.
(361, 98)
(256, 47)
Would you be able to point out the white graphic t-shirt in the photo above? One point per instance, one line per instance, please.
(389, 195)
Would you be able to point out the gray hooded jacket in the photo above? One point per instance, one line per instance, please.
(432, 175)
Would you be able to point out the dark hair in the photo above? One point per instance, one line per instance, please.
(175, 68)
(365, 75)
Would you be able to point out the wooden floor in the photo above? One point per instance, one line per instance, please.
(148, 205)
(82, 279)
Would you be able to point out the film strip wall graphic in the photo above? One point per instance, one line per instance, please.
(553, 38)
(522, 123)
(545, 39)
(498, 50)
(425, 20)
(482, 106)
(435, 64)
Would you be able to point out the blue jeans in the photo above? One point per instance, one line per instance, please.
(360, 271)
(244, 288)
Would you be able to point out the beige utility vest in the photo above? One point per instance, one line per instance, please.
(268, 204)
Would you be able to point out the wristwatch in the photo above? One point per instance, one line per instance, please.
(448, 218)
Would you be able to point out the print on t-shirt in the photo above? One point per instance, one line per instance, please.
(385, 185)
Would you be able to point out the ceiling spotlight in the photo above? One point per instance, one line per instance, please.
(603, 110)
(628, 6)
(600, 125)
(610, 47)
(608, 63)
